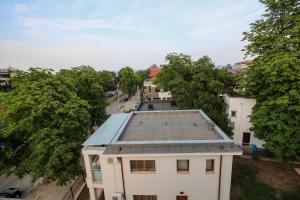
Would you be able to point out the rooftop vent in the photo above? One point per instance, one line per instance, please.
(211, 125)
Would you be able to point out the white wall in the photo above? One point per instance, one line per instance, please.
(87, 162)
(165, 182)
(164, 95)
(243, 108)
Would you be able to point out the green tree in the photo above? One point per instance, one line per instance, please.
(141, 75)
(197, 85)
(108, 80)
(127, 80)
(274, 77)
(88, 85)
(45, 124)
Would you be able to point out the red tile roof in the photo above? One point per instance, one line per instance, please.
(154, 71)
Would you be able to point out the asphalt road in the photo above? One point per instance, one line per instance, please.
(13, 181)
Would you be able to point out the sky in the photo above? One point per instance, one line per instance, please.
(111, 34)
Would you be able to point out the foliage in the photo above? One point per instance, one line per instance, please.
(141, 75)
(127, 80)
(88, 85)
(197, 85)
(274, 77)
(45, 125)
(108, 80)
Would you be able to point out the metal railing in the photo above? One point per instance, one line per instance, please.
(75, 189)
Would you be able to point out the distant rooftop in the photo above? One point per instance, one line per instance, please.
(154, 71)
(157, 105)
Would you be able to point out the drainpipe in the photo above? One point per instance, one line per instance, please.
(220, 176)
(120, 159)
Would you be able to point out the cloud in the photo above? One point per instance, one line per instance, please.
(56, 26)
(20, 8)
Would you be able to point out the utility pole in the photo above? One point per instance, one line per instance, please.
(118, 96)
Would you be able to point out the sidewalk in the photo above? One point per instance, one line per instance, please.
(48, 192)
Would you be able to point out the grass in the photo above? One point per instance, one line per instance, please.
(246, 186)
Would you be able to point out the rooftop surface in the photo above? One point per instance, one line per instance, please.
(164, 126)
(157, 105)
(172, 131)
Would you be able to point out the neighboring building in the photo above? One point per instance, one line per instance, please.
(160, 155)
(237, 67)
(154, 71)
(5, 79)
(239, 111)
(157, 105)
(243, 64)
(151, 92)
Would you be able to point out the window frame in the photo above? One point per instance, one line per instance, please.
(144, 197)
(183, 170)
(231, 113)
(142, 166)
(213, 166)
(181, 196)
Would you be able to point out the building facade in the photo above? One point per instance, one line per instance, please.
(239, 110)
(5, 79)
(151, 92)
(159, 155)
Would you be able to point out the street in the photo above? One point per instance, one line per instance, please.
(116, 107)
(13, 181)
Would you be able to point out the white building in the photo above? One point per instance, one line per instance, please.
(159, 155)
(239, 111)
(151, 92)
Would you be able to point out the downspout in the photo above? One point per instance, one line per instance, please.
(220, 176)
(120, 159)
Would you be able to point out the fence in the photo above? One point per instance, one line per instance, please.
(75, 189)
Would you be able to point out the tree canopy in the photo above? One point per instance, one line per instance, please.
(140, 76)
(45, 125)
(274, 77)
(47, 118)
(197, 85)
(108, 80)
(127, 80)
(88, 85)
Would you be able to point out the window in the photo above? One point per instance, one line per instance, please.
(142, 165)
(157, 90)
(181, 197)
(233, 113)
(150, 107)
(182, 165)
(144, 197)
(210, 165)
(149, 88)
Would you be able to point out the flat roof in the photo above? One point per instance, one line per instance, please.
(164, 126)
(172, 131)
(157, 105)
(107, 131)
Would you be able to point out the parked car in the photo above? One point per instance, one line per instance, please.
(11, 193)
(111, 93)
